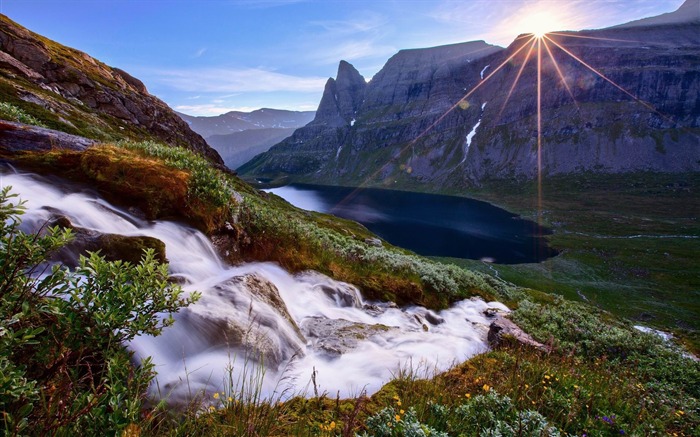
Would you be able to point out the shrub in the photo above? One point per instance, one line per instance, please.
(63, 367)
(11, 112)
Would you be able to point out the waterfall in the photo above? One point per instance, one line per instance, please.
(258, 319)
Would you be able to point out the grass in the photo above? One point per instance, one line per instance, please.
(629, 244)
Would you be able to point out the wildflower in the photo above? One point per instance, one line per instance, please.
(576, 386)
(216, 395)
(486, 387)
(398, 403)
(401, 411)
(546, 376)
(396, 397)
(230, 399)
(212, 408)
(398, 418)
(468, 395)
(527, 385)
(332, 425)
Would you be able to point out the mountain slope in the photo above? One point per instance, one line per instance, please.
(237, 148)
(415, 128)
(68, 90)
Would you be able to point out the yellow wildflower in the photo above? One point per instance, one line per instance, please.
(398, 418)
(468, 395)
(216, 395)
(398, 403)
(486, 387)
(401, 411)
(332, 425)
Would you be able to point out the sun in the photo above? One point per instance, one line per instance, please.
(541, 23)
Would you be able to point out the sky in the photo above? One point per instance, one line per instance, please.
(208, 57)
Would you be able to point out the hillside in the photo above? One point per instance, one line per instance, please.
(68, 90)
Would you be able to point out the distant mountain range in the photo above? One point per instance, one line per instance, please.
(448, 117)
(239, 136)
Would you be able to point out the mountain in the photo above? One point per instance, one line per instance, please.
(236, 121)
(448, 117)
(237, 148)
(70, 91)
(239, 136)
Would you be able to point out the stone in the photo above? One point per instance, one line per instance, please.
(337, 336)
(502, 328)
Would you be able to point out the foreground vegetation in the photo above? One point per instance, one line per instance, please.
(601, 378)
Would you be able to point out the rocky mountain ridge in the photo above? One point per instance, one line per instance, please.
(70, 91)
(455, 116)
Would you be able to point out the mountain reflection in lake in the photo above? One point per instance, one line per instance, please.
(430, 224)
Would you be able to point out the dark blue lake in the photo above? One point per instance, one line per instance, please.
(430, 224)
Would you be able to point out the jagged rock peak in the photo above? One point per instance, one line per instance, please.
(342, 97)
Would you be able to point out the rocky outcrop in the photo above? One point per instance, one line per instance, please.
(335, 337)
(112, 247)
(502, 329)
(16, 137)
(245, 313)
(70, 91)
(613, 101)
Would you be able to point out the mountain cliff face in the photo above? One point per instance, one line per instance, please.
(633, 106)
(70, 91)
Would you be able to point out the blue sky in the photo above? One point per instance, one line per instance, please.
(207, 57)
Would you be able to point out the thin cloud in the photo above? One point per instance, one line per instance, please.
(200, 52)
(360, 37)
(221, 80)
(209, 109)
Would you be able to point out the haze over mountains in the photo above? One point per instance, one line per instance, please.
(239, 136)
(630, 101)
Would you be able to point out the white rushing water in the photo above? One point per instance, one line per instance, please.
(238, 319)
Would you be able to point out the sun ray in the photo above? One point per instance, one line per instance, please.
(637, 99)
(539, 131)
(517, 77)
(435, 123)
(561, 75)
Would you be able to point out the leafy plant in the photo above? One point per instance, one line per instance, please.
(63, 366)
(11, 112)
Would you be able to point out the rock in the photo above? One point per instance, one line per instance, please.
(16, 137)
(337, 336)
(503, 327)
(374, 241)
(225, 320)
(112, 247)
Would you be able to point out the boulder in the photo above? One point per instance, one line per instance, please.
(502, 327)
(337, 336)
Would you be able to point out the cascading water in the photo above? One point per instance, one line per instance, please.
(256, 318)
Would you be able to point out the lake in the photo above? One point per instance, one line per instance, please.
(430, 224)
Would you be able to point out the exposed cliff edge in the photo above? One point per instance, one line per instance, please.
(630, 101)
(70, 91)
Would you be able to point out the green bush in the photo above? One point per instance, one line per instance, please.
(11, 112)
(63, 367)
